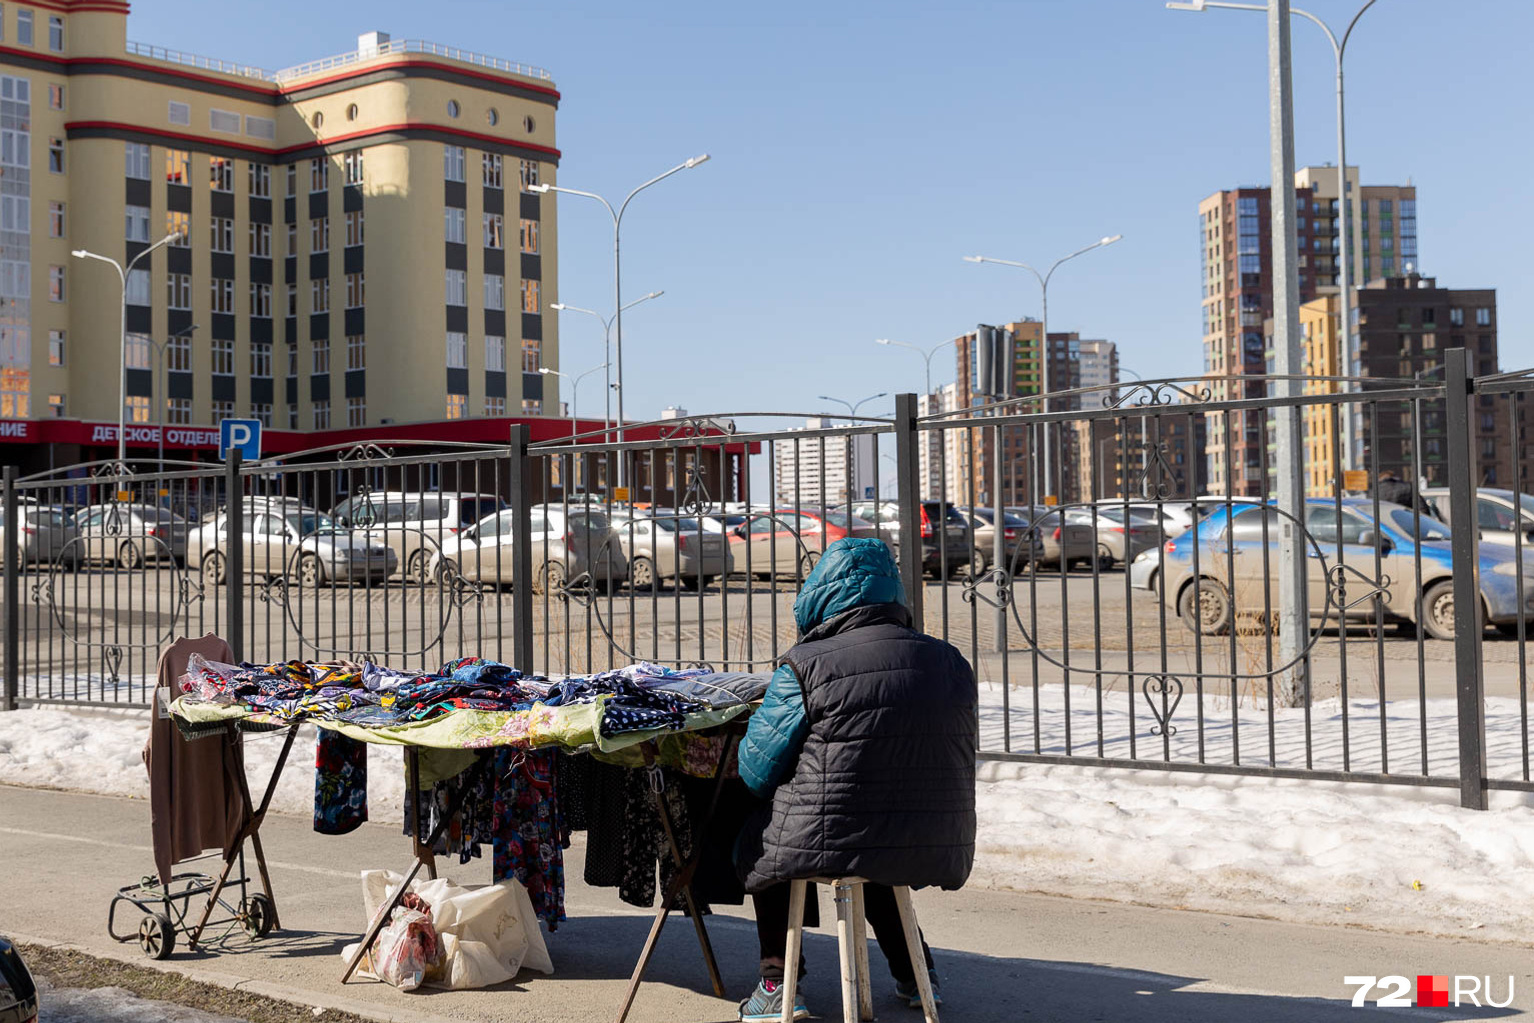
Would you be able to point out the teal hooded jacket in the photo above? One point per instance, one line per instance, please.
(853, 573)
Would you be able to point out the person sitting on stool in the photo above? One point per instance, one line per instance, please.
(865, 745)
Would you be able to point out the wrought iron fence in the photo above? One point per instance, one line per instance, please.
(1126, 613)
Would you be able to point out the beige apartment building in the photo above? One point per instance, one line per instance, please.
(358, 253)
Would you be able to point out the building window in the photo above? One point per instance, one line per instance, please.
(260, 181)
(226, 121)
(260, 127)
(222, 295)
(351, 111)
(292, 417)
(261, 411)
(178, 411)
(356, 412)
(260, 239)
(319, 234)
(261, 301)
(495, 291)
(15, 397)
(261, 360)
(180, 225)
(319, 295)
(531, 300)
(457, 288)
(136, 160)
(222, 410)
(136, 290)
(1456, 317)
(527, 171)
(55, 284)
(178, 291)
(452, 163)
(178, 167)
(351, 164)
(1483, 317)
(457, 405)
(178, 113)
(453, 226)
(457, 350)
(136, 351)
(292, 360)
(356, 351)
(55, 348)
(453, 109)
(530, 237)
(24, 27)
(138, 408)
(495, 353)
(320, 350)
(354, 228)
(221, 174)
(292, 300)
(56, 156)
(178, 353)
(292, 249)
(495, 407)
(534, 407)
(223, 357)
(529, 356)
(492, 170)
(493, 227)
(319, 174)
(355, 288)
(56, 220)
(56, 34)
(292, 179)
(221, 234)
(322, 415)
(56, 406)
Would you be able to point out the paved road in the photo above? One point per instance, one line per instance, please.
(1004, 956)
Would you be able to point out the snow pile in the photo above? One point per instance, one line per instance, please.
(112, 1005)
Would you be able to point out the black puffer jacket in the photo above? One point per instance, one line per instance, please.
(884, 783)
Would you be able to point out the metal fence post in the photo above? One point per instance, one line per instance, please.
(908, 497)
(521, 550)
(12, 593)
(234, 555)
(1469, 683)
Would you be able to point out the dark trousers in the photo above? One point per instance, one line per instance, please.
(879, 909)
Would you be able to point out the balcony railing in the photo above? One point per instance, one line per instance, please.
(397, 46)
(198, 61)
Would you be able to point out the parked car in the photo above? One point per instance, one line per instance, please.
(788, 543)
(1500, 514)
(1020, 541)
(282, 539)
(413, 525)
(18, 992)
(46, 535)
(664, 546)
(945, 533)
(130, 535)
(1117, 538)
(724, 521)
(1212, 601)
(572, 545)
(1061, 541)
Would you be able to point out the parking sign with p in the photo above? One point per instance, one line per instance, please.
(242, 435)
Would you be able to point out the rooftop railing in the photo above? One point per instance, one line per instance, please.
(340, 60)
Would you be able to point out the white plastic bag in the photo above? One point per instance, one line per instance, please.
(405, 950)
(488, 934)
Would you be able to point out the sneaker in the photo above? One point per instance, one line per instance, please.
(766, 1006)
(912, 994)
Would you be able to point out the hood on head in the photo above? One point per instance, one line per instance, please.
(853, 572)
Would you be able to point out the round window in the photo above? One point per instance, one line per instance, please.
(493, 116)
(318, 119)
(452, 108)
(530, 124)
(351, 112)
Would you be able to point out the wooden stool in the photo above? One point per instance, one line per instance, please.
(852, 936)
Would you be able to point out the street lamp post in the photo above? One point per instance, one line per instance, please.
(575, 390)
(617, 216)
(925, 353)
(1044, 352)
(852, 460)
(1345, 253)
(607, 355)
(122, 369)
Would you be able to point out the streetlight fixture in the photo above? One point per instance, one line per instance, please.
(575, 389)
(617, 215)
(1043, 280)
(852, 412)
(122, 369)
(925, 353)
(607, 355)
(1344, 253)
(852, 407)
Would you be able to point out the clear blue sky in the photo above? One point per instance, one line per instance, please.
(861, 149)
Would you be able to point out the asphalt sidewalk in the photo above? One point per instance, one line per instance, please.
(1004, 956)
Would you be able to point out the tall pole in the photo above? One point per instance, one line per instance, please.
(1286, 342)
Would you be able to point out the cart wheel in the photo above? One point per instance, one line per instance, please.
(156, 936)
(256, 915)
